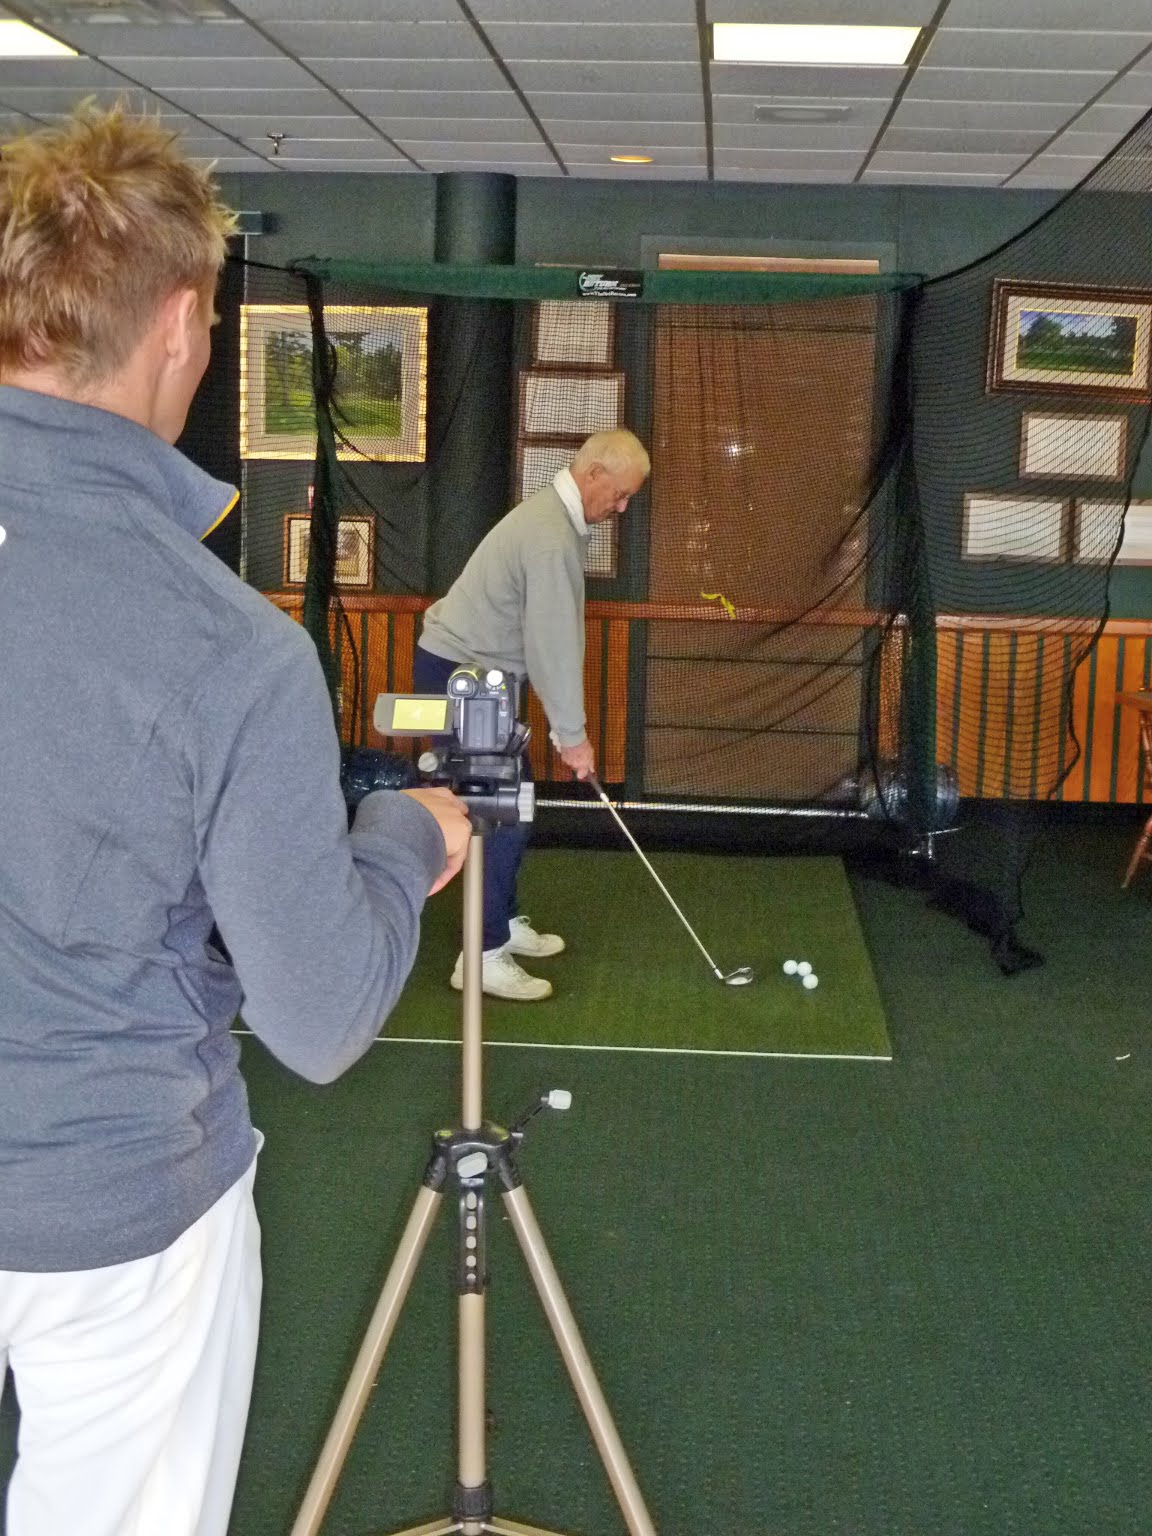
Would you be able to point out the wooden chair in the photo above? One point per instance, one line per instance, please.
(1141, 854)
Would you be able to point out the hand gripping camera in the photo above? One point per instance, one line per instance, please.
(480, 759)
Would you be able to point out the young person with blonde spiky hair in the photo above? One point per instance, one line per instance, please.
(168, 763)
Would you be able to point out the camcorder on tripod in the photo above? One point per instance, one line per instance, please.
(481, 761)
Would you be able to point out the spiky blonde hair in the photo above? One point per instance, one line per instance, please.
(102, 217)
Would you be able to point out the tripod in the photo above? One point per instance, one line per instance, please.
(463, 1160)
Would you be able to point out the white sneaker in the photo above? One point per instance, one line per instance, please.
(525, 940)
(500, 976)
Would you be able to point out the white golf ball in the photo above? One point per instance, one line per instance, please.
(804, 968)
(811, 980)
(789, 967)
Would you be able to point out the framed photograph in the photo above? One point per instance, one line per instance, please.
(380, 406)
(1015, 528)
(537, 465)
(1072, 340)
(574, 331)
(354, 537)
(575, 405)
(1099, 524)
(1056, 445)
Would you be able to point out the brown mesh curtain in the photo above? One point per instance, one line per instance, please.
(765, 441)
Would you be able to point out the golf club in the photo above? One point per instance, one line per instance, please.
(742, 975)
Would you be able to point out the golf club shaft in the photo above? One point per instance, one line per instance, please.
(596, 785)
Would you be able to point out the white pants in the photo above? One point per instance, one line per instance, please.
(133, 1383)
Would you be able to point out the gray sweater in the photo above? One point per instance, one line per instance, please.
(519, 605)
(167, 758)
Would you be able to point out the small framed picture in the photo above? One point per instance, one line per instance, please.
(1099, 523)
(380, 403)
(1014, 528)
(1057, 445)
(556, 404)
(354, 543)
(574, 331)
(1073, 340)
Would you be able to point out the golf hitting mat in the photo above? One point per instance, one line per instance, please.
(632, 979)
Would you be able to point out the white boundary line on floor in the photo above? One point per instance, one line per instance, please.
(650, 1050)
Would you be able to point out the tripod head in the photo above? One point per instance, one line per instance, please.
(479, 758)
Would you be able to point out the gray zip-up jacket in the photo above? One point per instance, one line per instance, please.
(519, 605)
(167, 759)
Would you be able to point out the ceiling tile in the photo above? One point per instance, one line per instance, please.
(315, 102)
(327, 167)
(802, 80)
(841, 136)
(1078, 142)
(293, 148)
(690, 134)
(583, 10)
(620, 107)
(1063, 170)
(1133, 90)
(523, 153)
(964, 140)
(533, 75)
(1053, 85)
(889, 13)
(847, 161)
(672, 41)
(468, 130)
(45, 100)
(215, 74)
(1108, 117)
(643, 173)
(742, 109)
(979, 165)
(447, 76)
(227, 165)
(434, 104)
(378, 40)
(505, 167)
(350, 10)
(1040, 116)
(1004, 49)
(785, 176)
(249, 125)
(929, 178)
(55, 74)
(1051, 15)
(218, 39)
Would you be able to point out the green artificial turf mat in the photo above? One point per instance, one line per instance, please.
(632, 979)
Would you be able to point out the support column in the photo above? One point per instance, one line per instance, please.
(470, 401)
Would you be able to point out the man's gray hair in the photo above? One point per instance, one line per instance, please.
(617, 451)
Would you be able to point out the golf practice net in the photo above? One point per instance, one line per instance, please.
(872, 561)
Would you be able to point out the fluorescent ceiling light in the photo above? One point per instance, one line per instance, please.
(20, 41)
(747, 43)
(631, 159)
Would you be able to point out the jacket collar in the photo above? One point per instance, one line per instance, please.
(46, 441)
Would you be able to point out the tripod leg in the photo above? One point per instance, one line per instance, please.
(575, 1356)
(367, 1363)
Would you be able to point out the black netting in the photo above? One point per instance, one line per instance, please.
(872, 557)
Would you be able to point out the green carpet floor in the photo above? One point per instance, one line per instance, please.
(822, 1300)
(632, 977)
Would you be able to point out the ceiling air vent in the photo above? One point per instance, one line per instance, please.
(134, 12)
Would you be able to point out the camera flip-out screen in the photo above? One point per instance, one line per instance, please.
(405, 714)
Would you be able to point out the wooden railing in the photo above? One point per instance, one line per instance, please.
(1001, 690)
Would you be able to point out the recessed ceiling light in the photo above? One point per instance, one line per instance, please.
(753, 43)
(20, 41)
(785, 112)
(631, 159)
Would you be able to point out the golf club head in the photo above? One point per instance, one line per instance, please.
(740, 977)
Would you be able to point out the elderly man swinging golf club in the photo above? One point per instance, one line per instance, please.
(519, 605)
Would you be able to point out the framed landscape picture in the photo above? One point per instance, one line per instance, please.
(1071, 340)
(353, 550)
(1054, 444)
(380, 404)
(1014, 528)
(1100, 523)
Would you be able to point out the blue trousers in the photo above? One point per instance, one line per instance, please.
(504, 846)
